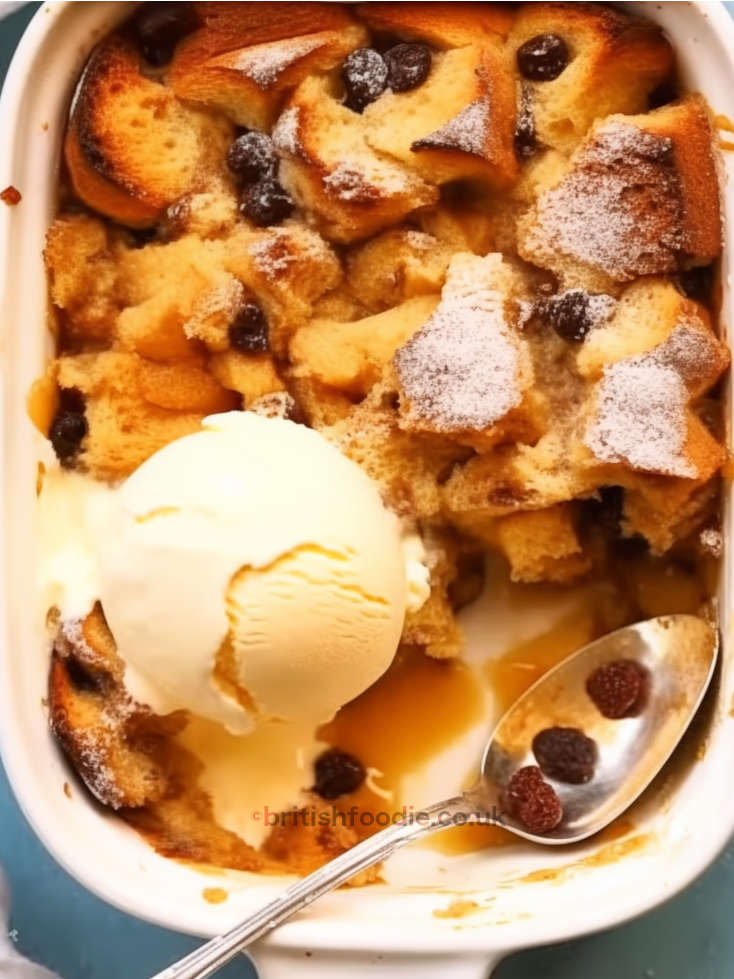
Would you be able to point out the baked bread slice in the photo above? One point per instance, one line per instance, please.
(467, 373)
(443, 25)
(133, 406)
(331, 170)
(131, 147)
(396, 265)
(459, 124)
(351, 356)
(639, 197)
(110, 740)
(615, 62)
(245, 57)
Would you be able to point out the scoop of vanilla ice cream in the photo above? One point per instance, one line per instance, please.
(250, 572)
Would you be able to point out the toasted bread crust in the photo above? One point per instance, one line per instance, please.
(443, 24)
(131, 148)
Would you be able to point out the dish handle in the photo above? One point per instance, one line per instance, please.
(285, 963)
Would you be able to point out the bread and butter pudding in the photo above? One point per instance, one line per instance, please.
(362, 311)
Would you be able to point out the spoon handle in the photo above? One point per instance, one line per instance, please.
(215, 954)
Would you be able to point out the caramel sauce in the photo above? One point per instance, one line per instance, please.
(42, 403)
(419, 707)
(214, 895)
(512, 674)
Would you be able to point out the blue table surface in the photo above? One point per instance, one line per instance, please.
(58, 923)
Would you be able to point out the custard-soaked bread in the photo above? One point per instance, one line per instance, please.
(132, 148)
(245, 57)
(459, 124)
(287, 269)
(174, 294)
(318, 405)
(433, 626)
(664, 510)
(165, 299)
(351, 356)
(652, 359)
(639, 197)
(396, 265)
(542, 545)
(80, 257)
(614, 62)
(330, 169)
(134, 407)
(458, 226)
(467, 373)
(444, 25)
(112, 743)
(407, 467)
(252, 375)
(652, 313)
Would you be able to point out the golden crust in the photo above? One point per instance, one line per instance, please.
(245, 57)
(446, 25)
(459, 124)
(650, 182)
(616, 60)
(132, 148)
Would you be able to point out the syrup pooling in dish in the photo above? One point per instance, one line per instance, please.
(469, 251)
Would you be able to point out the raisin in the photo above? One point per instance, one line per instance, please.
(618, 688)
(566, 754)
(568, 313)
(665, 93)
(532, 801)
(542, 58)
(249, 330)
(365, 77)
(69, 425)
(252, 157)
(408, 66)
(337, 773)
(160, 26)
(266, 202)
(698, 283)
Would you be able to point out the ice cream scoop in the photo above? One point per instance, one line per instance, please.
(251, 572)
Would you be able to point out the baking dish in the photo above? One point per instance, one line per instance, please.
(524, 896)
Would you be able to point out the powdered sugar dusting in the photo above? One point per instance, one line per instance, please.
(712, 541)
(618, 209)
(265, 63)
(467, 131)
(362, 181)
(219, 304)
(285, 131)
(691, 350)
(277, 252)
(461, 370)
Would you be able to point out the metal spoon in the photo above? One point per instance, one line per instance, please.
(679, 654)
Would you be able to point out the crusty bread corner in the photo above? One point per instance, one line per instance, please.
(97, 724)
(638, 197)
(245, 57)
(459, 124)
(132, 148)
(616, 61)
(445, 25)
(331, 170)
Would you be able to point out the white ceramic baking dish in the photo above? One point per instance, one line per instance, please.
(680, 827)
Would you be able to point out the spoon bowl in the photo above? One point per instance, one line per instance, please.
(675, 656)
(678, 655)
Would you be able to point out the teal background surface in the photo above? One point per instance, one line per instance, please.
(58, 923)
